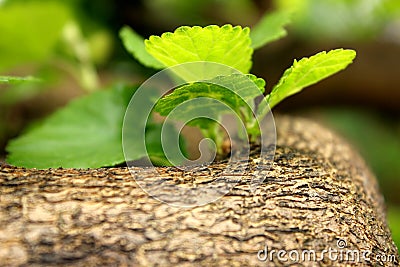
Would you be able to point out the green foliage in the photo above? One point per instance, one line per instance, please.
(226, 45)
(209, 100)
(190, 44)
(82, 135)
(85, 134)
(243, 91)
(219, 96)
(270, 28)
(309, 71)
(176, 48)
(88, 132)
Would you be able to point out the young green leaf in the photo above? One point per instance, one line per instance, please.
(270, 28)
(237, 91)
(226, 45)
(309, 71)
(134, 44)
(207, 101)
(14, 79)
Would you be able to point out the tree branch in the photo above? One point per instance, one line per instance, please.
(318, 192)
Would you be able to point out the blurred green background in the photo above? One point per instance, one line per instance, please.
(72, 46)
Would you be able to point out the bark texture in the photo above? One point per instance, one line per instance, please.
(316, 193)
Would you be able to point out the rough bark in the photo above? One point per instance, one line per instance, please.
(317, 191)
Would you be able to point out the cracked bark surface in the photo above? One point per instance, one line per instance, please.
(317, 191)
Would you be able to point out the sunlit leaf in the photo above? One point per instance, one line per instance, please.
(309, 71)
(226, 45)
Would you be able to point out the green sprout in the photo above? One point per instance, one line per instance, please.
(87, 132)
